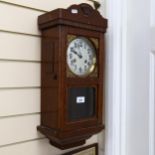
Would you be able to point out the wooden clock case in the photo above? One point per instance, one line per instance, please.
(58, 28)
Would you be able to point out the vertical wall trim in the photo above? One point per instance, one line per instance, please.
(152, 82)
(151, 105)
(123, 79)
(152, 12)
(116, 61)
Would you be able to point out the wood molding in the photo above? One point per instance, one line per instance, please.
(115, 142)
(151, 105)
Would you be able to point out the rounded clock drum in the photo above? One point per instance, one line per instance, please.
(81, 56)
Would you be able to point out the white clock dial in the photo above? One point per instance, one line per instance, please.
(81, 56)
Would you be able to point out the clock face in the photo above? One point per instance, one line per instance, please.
(81, 56)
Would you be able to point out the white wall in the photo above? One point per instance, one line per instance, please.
(20, 77)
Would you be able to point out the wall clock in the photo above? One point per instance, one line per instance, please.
(72, 74)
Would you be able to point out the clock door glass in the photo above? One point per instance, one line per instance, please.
(81, 56)
(81, 103)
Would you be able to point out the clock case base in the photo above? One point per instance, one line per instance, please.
(67, 142)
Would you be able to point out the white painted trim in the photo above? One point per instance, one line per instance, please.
(123, 79)
(152, 13)
(151, 105)
(152, 82)
(116, 61)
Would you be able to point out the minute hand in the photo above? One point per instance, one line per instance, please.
(75, 52)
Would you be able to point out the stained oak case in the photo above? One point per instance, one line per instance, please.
(65, 122)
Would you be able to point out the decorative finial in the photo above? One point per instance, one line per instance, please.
(96, 4)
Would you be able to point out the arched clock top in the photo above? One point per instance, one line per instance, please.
(82, 15)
